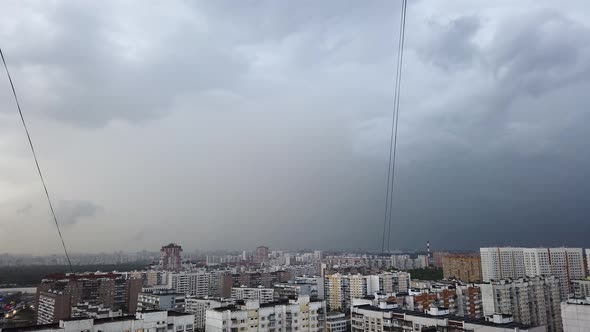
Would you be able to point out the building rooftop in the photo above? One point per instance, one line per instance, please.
(113, 319)
(451, 318)
(32, 327)
(172, 313)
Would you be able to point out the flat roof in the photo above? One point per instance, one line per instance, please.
(178, 313)
(113, 319)
(33, 327)
(450, 317)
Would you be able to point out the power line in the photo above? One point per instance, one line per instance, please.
(36, 162)
(394, 129)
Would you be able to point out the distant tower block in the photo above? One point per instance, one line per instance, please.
(428, 253)
(170, 257)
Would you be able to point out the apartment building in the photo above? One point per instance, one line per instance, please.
(464, 267)
(111, 290)
(340, 289)
(336, 322)
(190, 283)
(199, 306)
(300, 315)
(533, 301)
(52, 306)
(581, 288)
(566, 264)
(264, 295)
(160, 299)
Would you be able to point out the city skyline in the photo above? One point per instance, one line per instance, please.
(228, 125)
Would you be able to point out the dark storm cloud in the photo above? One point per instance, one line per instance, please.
(452, 45)
(70, 212)
(228, 124)
(26, 209)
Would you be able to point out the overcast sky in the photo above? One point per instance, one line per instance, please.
(230, 124)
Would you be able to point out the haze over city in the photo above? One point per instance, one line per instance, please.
(226, 124)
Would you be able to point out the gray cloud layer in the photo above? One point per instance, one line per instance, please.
(224, 125)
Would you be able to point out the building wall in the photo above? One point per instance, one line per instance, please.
(534, 301)
(52, 307)
(463, 267)
(566, 264)
(575, 317)
(300, 315)
(264, 295)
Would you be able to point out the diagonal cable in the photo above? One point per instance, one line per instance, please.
(37, 162)
(394, 129)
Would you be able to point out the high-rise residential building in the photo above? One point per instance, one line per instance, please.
(469, 302)
(404, 281)
(463, 267)
(52, 306)
(566, 264)
(317, 256)
(199, 306)
(437, 257)
(263, 295)
(388, 317)
(190, 283)
(261, 255)
(534, 301)
(300, 315)
(111, 290)
(575, 315)
(170, 259)
(357, 285)
(161, 299)
(500, 263)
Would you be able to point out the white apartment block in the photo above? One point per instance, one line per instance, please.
(386, 318)
(336, 322)
(581, 288)
(155, 321)
(533, 301)
(190, 283)
(300, 315)
(264, 295)
(566, 264)
(501, 263)
(199, 306)
(575, 315)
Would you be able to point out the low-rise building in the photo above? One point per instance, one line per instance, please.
(160, 299)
